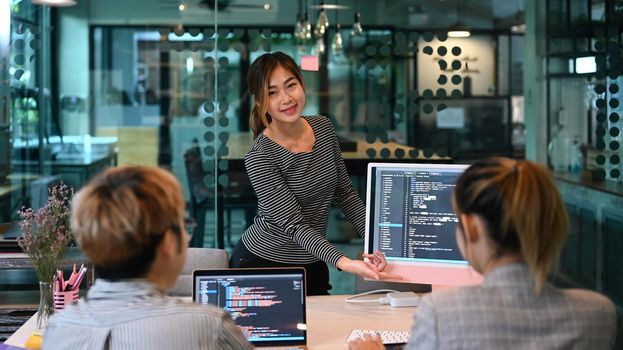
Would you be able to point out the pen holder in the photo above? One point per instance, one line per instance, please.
(61, 299)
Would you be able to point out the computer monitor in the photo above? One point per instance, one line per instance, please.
(409, 218)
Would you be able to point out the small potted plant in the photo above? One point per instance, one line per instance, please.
(46, 233)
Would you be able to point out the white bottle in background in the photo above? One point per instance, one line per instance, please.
(559, 150)
(575, 155)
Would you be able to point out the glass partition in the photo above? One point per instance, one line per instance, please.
(391, 95)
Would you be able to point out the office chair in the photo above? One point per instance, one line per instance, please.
(198, 259)
(237, 195)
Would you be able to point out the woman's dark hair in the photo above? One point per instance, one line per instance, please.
(258, 81)
(521, 207)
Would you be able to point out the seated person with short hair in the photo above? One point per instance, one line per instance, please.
(129, 222)
(512, 226)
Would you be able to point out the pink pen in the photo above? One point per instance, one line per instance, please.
(72, 278)
(56, 282)
(62, 280)
(81, 273)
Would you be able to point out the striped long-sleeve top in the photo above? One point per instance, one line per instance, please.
(135, 314)
(295, 192)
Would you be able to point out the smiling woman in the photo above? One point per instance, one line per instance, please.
(297, 171)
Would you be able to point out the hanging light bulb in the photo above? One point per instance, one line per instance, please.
(307, 28)
(320, 47)
(323, 21)
(357, 30)
(298, 28)
(337, 45)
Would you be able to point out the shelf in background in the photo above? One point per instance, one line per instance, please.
(585, 179)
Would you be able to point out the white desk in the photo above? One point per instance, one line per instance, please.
(329, 321)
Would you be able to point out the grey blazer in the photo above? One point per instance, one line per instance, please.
(504, 313)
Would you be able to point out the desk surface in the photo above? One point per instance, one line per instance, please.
(329, 321)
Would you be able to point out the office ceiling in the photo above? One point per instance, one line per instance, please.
(484, 14)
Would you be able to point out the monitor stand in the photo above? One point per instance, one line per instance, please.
(437, 287)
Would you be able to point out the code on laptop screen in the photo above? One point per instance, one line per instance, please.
(267, 308)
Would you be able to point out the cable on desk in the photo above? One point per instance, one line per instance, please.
(351, 298)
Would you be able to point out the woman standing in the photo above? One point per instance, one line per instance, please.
(296, 169)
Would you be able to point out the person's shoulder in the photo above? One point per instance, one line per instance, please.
(166, 307)
(173, 309)
(318, 121)
(321, 125)
(257, 144)
(443, 296)
(78, 313)
(452, 299)
(589, 300)
(185, 307)
(594, 312)
(258, 149)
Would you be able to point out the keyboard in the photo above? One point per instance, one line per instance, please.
(387, 337)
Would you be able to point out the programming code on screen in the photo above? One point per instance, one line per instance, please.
(266, 308)
(413, 217)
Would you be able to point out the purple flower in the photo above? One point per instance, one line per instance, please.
(46, 232)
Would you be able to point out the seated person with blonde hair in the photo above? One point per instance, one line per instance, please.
(129, 222)
(512, 226)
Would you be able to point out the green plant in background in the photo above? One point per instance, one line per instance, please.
(15, 5)
(26, 116)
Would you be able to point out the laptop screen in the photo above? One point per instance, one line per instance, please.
(268, 304)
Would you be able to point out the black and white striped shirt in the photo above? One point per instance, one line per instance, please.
(135, 314)
(295, 193)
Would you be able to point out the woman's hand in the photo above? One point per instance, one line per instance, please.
(366, 342)
(364, 269)
(378, 259)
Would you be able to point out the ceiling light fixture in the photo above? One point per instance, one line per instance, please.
(298, 27)
(459, 29)
(303, 27)
(54, 3)
(337, 45)
(519, 19)
(357, 30)
(323, 21)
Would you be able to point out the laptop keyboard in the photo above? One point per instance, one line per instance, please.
(387, 337)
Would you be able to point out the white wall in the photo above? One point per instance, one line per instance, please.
(480, 48)
(73, 63)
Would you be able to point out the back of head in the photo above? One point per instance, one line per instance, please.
(121, 216)
(521, 207)
(258, 80)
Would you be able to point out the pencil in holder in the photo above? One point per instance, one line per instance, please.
(61, 299)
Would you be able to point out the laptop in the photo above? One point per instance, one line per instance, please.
(268, 304)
